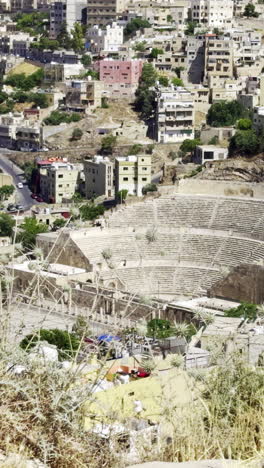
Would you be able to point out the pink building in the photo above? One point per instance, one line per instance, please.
(120, 76)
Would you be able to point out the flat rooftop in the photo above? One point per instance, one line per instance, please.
(54, 269)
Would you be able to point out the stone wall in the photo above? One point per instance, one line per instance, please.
(193, 186)
(244, 283)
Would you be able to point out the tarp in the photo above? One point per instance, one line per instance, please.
(109, 338)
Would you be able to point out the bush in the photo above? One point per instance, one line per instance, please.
(90, 211)
(121, 196)
(188, 146)
(224, 114)
(20, 80)
(135, 149)
(108, 143)
(149, 188)
(160, 328)
(134, 25)
(6, 191)
(57, 117)
(67, 343)
(244, 310)
(104, 104)
(177, 82)
(244, 142)
(7, 224)
(244, 124)
(77, 134)
(163, 80)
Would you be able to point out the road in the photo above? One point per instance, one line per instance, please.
(22, 195)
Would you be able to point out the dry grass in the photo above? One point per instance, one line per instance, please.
(25, 67)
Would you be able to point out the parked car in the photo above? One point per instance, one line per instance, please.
(34, 196)
(39, 199)
(19, 185)
(19, 207)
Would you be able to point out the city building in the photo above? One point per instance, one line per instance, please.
(18, 133)
(258, 119)
(104, 12)
(59, 181)
(132, 173)
(67, 11)
(195, 51)
(174, 114)
(204, 153)
(120, 77)
(15, 43)
(218, 60)
(83, 94)
(213, 13)
(99, 177)
(108, 39)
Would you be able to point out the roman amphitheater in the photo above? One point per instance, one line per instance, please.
(167, 248)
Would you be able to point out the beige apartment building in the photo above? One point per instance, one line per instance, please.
(59, 181)
(103, 12)
(99, 177)
(132, 173)
(218, 60)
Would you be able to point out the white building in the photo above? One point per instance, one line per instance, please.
(108, 39)
(207, 153)
(214, 13)
(174, 115)
(16, 132)
(132, 173)
(67, 11)
(59, 181)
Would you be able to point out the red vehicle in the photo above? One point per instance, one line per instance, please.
(33, 195)
(39, 199)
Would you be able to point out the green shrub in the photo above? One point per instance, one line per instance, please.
(149, 188)
(90, 211)
(57, 117)
(244, 310)
(134, 149)
(67, 343)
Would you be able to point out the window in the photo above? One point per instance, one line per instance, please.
(125, 178)
(60, 176)
(144, 179)
(60, 185)
(125, 168)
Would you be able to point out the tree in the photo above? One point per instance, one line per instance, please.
(32, 23)
(121, 195)
(244, 124)
(223, 114)
(191, 25)
(64, 38)
(6, 191)
(169, 19)
(244, 142)
(77, 134)
(20, 80)
(135, 149)
(58, 223)
(7, 224)
(160, 328)
(134, 25)
(149, 188)
(244, 310)
(250, 11)
(90, 211)
(140, 46)
(67, 343)
(145, 97)
(77, 38)
(29, 230)
(108, 143)
(86, 60)
(155, 52)
(188, 146)
(46, 43)
(177, 82)
(178, 71)
(163, 80)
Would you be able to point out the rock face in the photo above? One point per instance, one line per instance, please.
(234, 169)
(244, 283)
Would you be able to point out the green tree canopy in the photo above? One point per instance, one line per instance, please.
(177, 81)
(244, 142)
(108, 143)
(77, 38)
(21, 81)
(188, 146)
(224, 114)
(145, 98)
(159, 328)
(121, 195)
(67, 343)
(244, 310)
(57, 117)
(86, 60)
(90, 211)
(77, 134)
(191, 25)
(155, 52)
(29, 230)
(58, 223)
(134, 25)
(6, 191)
(32, 23)
(244, 124)
(250, 11)
(7, 224)
(64, 38)
(163, 80)
(149, 188)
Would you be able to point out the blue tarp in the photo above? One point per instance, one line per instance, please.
(109, 338)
